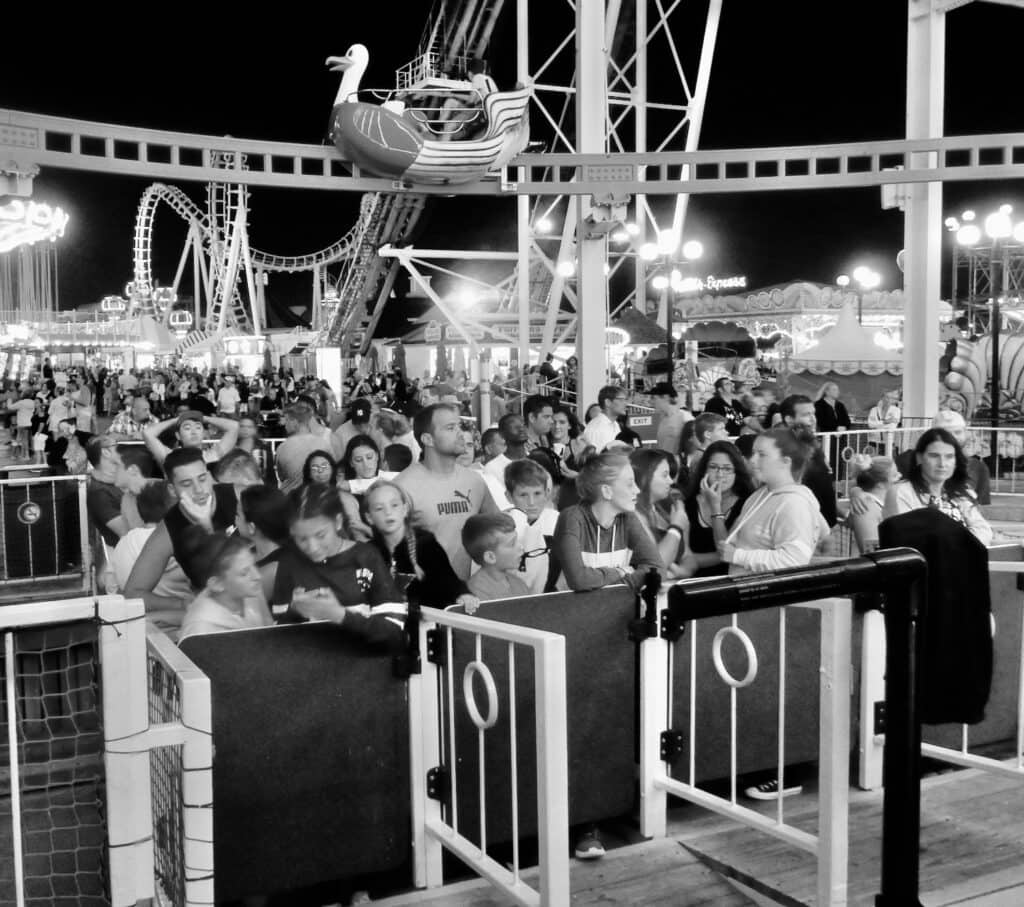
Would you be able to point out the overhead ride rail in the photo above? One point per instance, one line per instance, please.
(81, 145)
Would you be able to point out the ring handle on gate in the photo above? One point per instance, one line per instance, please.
(478, 667)
(748, 647)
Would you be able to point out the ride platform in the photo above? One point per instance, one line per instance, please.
(972, 855)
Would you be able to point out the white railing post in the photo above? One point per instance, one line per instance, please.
(197, 785)
(871, 746)
(552, 771)
(424, 754)
(125, 689)
(834, 751)
(83, 534)
(654, 718)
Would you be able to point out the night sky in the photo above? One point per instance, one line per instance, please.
(785, 73)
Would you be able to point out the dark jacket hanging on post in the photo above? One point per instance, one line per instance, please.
(956, 635)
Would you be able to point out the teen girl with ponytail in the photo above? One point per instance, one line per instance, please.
(416, 559)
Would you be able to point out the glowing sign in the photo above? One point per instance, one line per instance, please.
(24, 222)
(711, 284)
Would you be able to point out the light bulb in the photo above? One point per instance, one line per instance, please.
(693, 249)
(648, 251)
(968, 235)
(659, 282)
(998, 225)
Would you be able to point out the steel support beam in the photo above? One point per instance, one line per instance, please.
(591, 109)
(922, 229)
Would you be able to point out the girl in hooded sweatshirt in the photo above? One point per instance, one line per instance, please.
(781, 523)
(601, 541)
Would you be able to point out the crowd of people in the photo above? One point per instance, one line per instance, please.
(349, 515)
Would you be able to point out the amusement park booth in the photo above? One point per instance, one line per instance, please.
(850, 355)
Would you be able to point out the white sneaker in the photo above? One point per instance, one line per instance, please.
(589, 847)
(770, 790)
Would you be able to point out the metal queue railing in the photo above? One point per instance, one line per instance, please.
(900, 574)
(433, 698)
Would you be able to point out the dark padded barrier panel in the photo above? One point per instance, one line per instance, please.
(600, 683)
(311, 762)
(1001, 712)
(40, 530)
(757, 704)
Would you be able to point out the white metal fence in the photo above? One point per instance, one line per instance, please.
(433, 697)
(658, 657)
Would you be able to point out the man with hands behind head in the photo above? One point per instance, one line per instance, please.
(190, 432)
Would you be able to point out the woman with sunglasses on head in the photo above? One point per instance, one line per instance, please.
(717, 490)
(938, 479)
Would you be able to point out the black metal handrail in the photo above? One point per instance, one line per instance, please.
(899, 574)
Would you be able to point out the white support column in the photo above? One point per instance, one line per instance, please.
(834, 751)
(591, 112)
(923, 223)
(654, 718)
(523, 201)
(126, 716)
(425, 754)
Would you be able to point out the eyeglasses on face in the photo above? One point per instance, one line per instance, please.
(722, 470)
(319, 467)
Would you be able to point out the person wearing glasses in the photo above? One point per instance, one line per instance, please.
(718, 488)
(604, 428)
(318, 468)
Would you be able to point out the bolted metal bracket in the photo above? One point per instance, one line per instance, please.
(435, 648)
(439, 783)
(672, 628)
(880, 717)
(671, 745)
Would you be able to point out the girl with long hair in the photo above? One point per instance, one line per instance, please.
(601, 541)
(418, 563)
(938, 479)
(325, 575)
(659, 505)
(780, 524)
(718, 487)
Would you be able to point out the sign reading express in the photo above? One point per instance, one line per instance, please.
(711, 284)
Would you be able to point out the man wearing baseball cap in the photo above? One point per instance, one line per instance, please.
(360, 415)
(191, 432)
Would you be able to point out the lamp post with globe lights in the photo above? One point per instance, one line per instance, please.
(994, 255)
(866, 279)
(666, 255)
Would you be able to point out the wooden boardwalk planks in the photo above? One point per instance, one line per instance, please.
(655, 873)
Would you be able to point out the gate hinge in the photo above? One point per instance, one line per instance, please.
(671, 745)
(435, 647)
(641, 629)
(880, 717)
(438, 783)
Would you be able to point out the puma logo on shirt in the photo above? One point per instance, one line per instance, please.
(462, 505)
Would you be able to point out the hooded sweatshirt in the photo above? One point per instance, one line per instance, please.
(578, 534)
(776, 529)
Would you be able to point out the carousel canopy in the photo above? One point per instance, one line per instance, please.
(642, 329)
(846, 349)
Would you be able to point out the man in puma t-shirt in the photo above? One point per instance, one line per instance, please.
(444, 494)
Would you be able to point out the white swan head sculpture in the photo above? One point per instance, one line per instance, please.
(353, 64)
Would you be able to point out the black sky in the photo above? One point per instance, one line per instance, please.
(796, 72)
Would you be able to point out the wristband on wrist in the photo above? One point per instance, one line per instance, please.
(722, 515)
(675, 528)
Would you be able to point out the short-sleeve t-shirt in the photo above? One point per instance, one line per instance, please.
(103, 501)
(442, 502)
